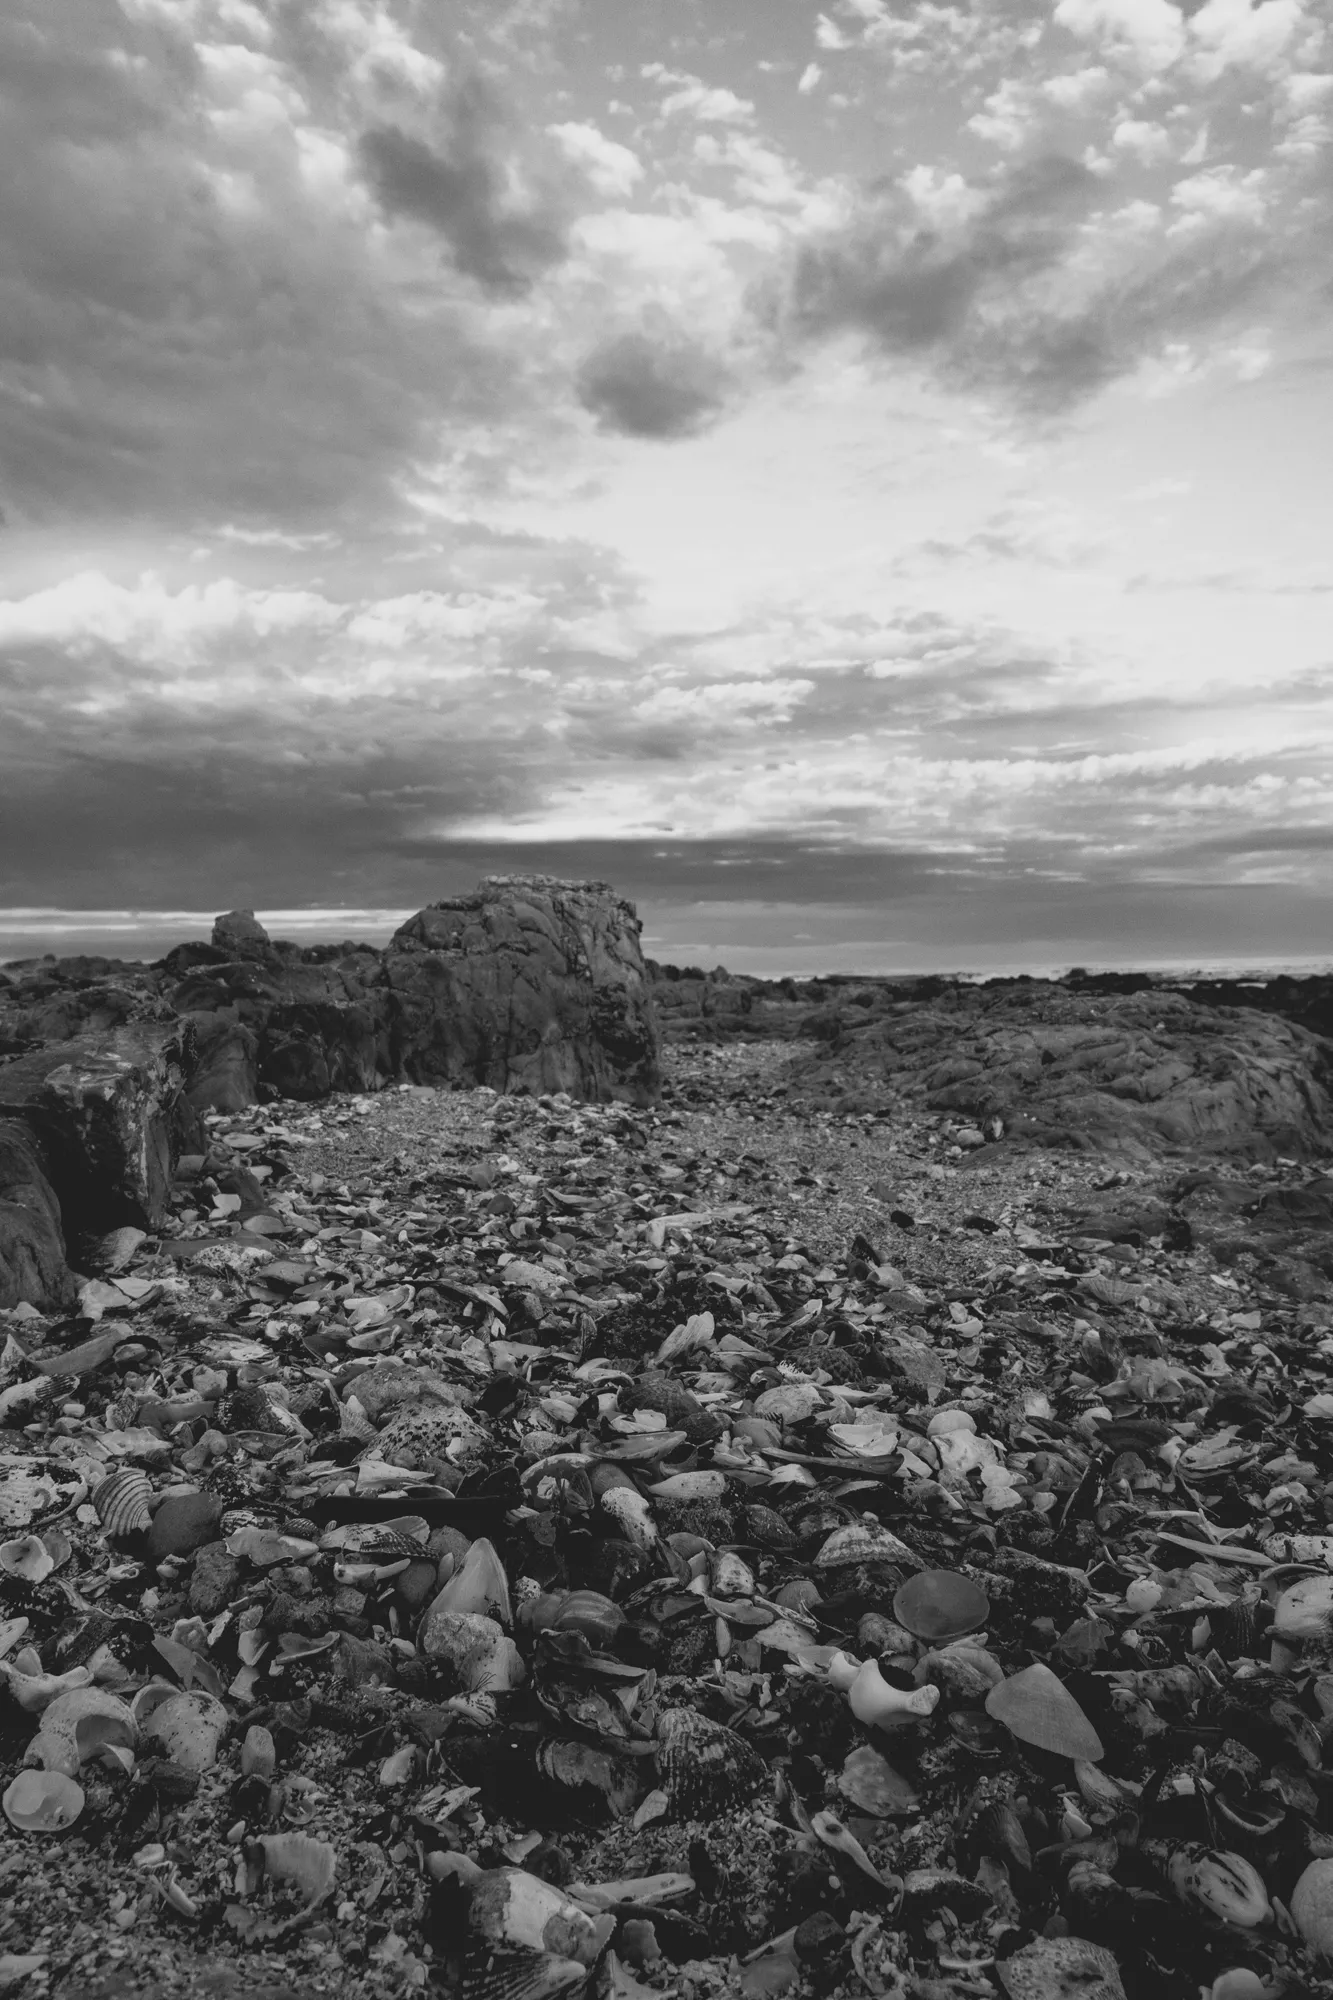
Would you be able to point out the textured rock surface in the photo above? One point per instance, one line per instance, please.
(106, 1112)
(32, 1245)
(528, 983)
(1142, 1074)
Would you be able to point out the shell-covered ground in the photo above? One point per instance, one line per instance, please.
(511, 1546)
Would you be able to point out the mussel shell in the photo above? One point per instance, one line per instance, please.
(705, 1767)
(122, 1502)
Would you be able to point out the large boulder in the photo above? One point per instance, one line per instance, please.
(32, 1243)
(109, 1118)
(1142, 1074)
(240, 934)
(529, 983)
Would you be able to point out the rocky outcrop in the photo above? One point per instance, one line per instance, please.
(530, 983)
(1141, 1074)
(107, 1116)
(527, 984)
(32, 1243)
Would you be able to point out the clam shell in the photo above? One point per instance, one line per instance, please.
(122, 1502)
(27, 1558)
(939, 1604)
(80, 1723)
(480, 1586)
(187, 1729)
(705, 1767)
(583, 1766)
(1312, 1907)
(1037, 1708)
(42, 1802)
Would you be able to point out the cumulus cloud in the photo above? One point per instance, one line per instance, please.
(653, 382)
(463, 188)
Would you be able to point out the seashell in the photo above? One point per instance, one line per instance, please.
(842, 1670)
(35, 1691)
(705, 1767)
(353, 1421)
(122, 1502)
(1311, 1906)
(1237, 1630)
(598, 1618)
(1037, 1708)
(790, 1402)
(259, 1757)
(309, 1865)
(1223, 1883)
(375, 1542)
(27, 1558)
(941, 1604)
(1304, 1611)
(878, 1634)
(78, 1726)
(766, 1526)
(965, 1673)
(683, 1487)
(870, 1782)
(478, 1654)
(879, 1704)
(1061, 1968)
(627, 1506)
(826, 1826)
(863, 1542)
(512, 1908)
(519, 1975)
(188, 1729)
(581, 1766)
(1102, 1793)
(729, 1576)
(1240, 1982)
(42, 1802)
(481, 1585)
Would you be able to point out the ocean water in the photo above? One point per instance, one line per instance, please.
(148, 934)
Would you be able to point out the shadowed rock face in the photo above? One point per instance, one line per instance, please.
(32, 1243)
(1141, 1074)
(527, 984)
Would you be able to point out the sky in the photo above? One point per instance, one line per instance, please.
(854, 476)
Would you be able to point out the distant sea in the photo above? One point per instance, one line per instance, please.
(148, 934)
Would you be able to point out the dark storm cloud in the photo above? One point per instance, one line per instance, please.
(460, 190)
(653, 385)
(196, 320)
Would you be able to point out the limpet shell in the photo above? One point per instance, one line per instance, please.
(122, 1502)
(705, 1767)
(42, 1802)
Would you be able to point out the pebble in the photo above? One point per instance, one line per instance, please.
(184, 1522)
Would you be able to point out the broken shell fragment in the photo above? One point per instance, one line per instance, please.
(939, 1604)
(78, 1726)
(687, 1486)
(867, 1780)
(1312, 1907)
(308, 1864)
(1037, 1708)
(598, 1618)
(188, 1729)
(483, 1659)
(705, 1767)
(1061, 1968)
(879, 1704)
(27, 1559)
(122, 1502)
(42, 1802)
(512, 1908)
(480, 1586)
(1304, 1611)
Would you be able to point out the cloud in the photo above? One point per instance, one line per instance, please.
(613, 170)
(654, 382)
(200, 319)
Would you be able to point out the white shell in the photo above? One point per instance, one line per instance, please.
(26, 1557)
(875, 1701)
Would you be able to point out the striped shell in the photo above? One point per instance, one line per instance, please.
(369, 1542)
(122, 1502)
(705, 1767)
(519, 1975)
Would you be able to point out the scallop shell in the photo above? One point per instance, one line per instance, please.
(122, 1502)
(519, 1975)
(42, 1802)
(705, 1767)
(863, 1542)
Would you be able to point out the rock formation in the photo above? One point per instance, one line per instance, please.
(1142, 1074)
